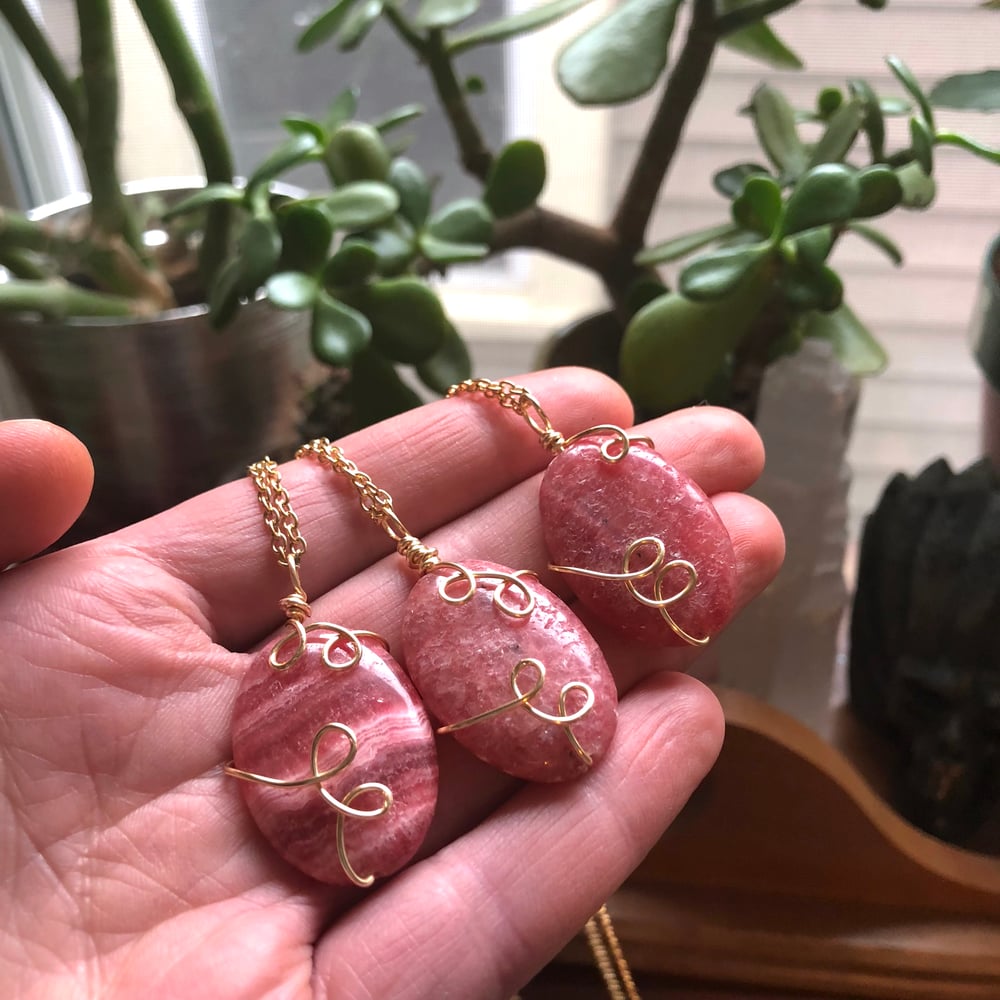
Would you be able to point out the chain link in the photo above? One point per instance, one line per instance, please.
(288, 544)
(514, 397)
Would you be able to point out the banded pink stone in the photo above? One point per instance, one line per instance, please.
(461, 657)
(275, 719)
(593, 509)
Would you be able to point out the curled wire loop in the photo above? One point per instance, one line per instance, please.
(291, 647)
(658, 568)
(523, 699)
(342, 807)
(619, 440)
(508, 584)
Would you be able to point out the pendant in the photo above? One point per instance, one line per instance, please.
(640, 544)
(508, 668)
(337, 755)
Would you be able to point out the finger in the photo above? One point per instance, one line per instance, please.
(519, 886)
(46, 475)
(438, 461)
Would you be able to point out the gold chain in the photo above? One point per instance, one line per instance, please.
(288, 544)
(609, 956)
(514, 397)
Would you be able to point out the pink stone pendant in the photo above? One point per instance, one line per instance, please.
(337, 754)
(640, 544)
(507, 668)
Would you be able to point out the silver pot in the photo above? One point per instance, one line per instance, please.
(169, 407)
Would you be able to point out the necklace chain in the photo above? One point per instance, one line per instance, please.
(514, 397)
(287, 541)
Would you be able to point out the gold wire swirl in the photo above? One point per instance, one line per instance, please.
(343, 808)
(508, 582)
(620, 437)
(279, 659)
(658, 569)
(523, 699)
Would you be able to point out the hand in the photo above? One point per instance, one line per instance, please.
(130, 865)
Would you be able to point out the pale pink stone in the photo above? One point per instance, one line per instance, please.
(592, 509)
(276, 716)
(461, 656)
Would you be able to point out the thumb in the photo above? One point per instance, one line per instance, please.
(46, 475)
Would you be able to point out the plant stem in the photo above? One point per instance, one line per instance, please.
(51, 70)
(109, 211)
(197, 103)
(22, 264)
(663, 136)
(57, 299)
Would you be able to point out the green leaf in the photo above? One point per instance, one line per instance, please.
(774, 121)
(361, 204)
(224, 295)
(969, 145)
(758, 206)
(410, 183)
(919, 190)
(922, 144)
(729, 182)
(873, 4)
(444, 13)
(395, 245)
(448, 365)
(361, 21)
(739, 15)
(828, 100)
(306, 232)
(342, 109)
(841, 131)
(813, 247)
(475, 84)
(408, 322)
(375, 391)
(717, 274)
(812, 288)
(295, 150)
(516, 178)
(443, 252)
(622, 56)
(880, 191)
(208, 195)
(353, 263)
(295, 125)
(758, 41)
(357, 152)
(325, 26)
(968, 91)
(873, 123)
(825, 194)
(466, 220)
(878, 239)
(853, 343)
(681, 246)
(399, 116)
(518, 24)
(258, 254)
(292, 290)
(338, 332)
(902, 73)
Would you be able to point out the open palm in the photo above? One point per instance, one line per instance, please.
(129, 863)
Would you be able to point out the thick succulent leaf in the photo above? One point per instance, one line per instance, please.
(208, 195)
(717, 274)
(375, 391)
(880, 191)
(306, 233)
(878, 239)
(902, 73)
(841, 131)
(353, 263)
(445, 252)
(224, 295)
(399, 116)
(357, 152)
(395, 245)
(324, 27)
(812, 288)
(732, 15)
(968, 91)
(414, 190)
(294, 126)
(448, 365)
(361, 205)
(919, 190)
(681, 246)
(444, 13)
(292, 290)
(258, 253)
(295, 150)
(874, 121)
(853, 343)
(516, 178)
(506, 28)
(342, 109)
(827, 193)
(922, 144)
(758, 207)
(338, 332)
(814, 246)
(758, 41)
(969, 145)
(729, 181)
(622, 56)
(466, 220)
(774, 121)
(408, 321)
(828, 100)
(360, 22)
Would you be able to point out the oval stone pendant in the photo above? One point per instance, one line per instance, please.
(510, 670)
(338, 756)
(640, 544)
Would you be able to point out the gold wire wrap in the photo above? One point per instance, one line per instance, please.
(338, 634)
(609, 956)
(658, 569)
(342, 808)
(508, 582)
(522, 699)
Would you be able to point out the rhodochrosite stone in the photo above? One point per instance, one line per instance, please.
(461, 656)
(593, 509)
(277, 715)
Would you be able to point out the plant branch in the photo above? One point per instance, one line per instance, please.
(22, 264)
(567, 238)
(663, 136)
(197, 103)
(57, 299)
(49, 67)
(109, 211)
